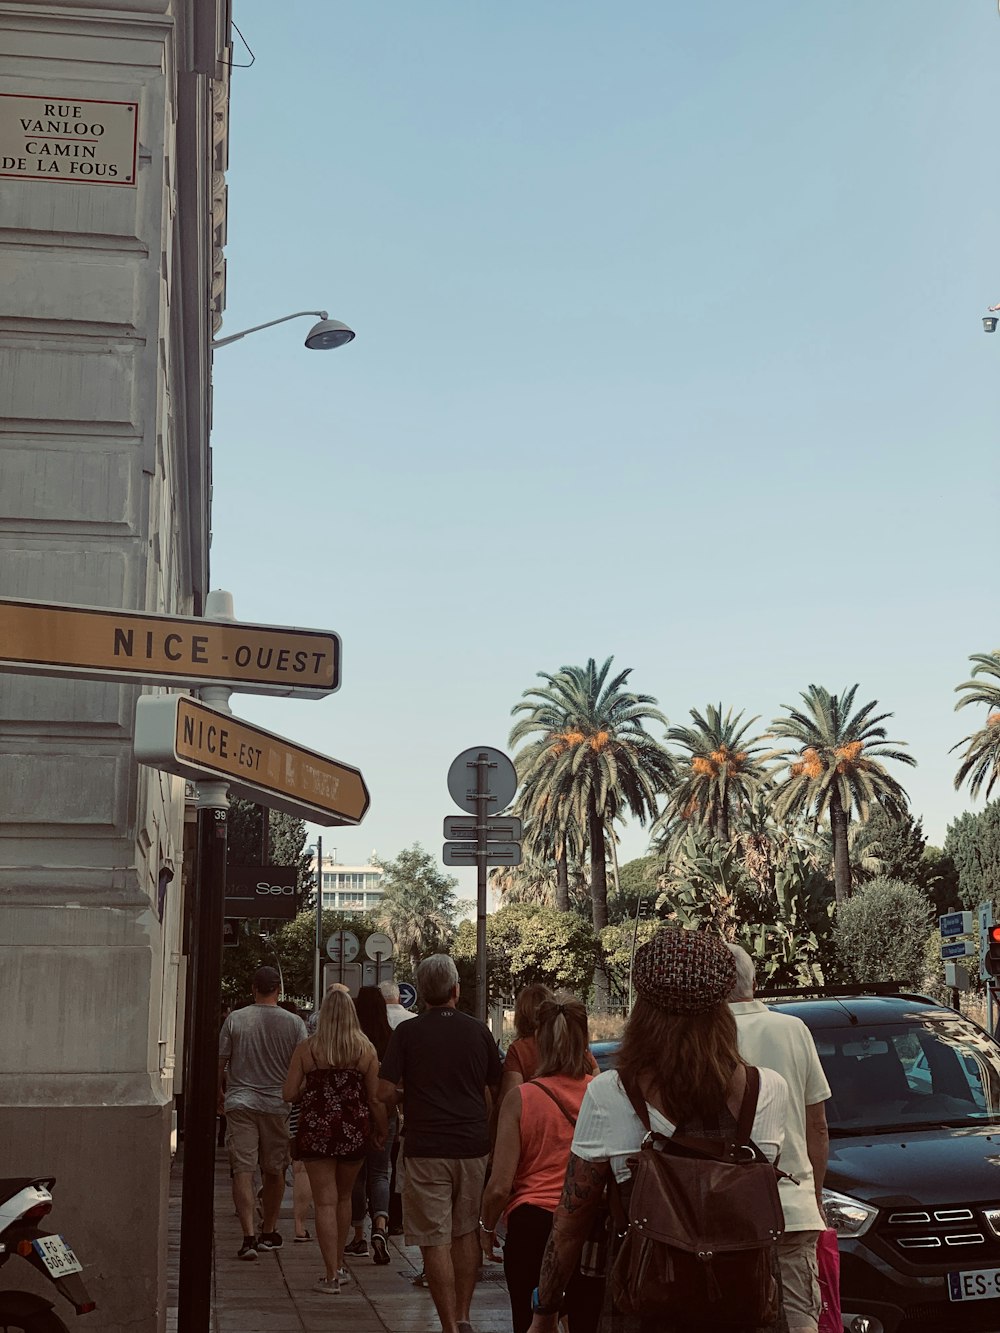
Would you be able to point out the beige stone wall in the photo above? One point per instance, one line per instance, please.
(107, 299)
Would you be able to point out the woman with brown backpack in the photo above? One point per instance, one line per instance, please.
(683, 1136)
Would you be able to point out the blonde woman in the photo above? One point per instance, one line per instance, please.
(333, 1077)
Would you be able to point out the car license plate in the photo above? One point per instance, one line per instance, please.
(55, 1254)
(980, 1285)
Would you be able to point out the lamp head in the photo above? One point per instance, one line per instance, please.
(328, 333)
(989, 323)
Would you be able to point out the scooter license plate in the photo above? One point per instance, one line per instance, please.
(55, 1254)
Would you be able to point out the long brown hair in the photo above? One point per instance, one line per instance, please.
(688, 1060)
(562, 1037)
(526, 1008)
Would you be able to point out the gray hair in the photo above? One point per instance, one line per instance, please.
(390, 991)
(746, 975)
(437, 977)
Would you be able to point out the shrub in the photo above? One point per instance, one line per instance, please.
(880, 934)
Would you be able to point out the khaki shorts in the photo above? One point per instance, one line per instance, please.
(441, 1198)
(256, 1138)
(799, 1278)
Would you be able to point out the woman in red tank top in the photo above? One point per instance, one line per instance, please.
(534, 1137)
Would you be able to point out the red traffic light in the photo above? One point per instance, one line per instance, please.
(993, 935)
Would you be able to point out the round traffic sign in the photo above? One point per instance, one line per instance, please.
(407, 995)
(499, 774)
(342, 946)
(378, 944)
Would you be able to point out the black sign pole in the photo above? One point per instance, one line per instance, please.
(194, 1301)
(482, 766)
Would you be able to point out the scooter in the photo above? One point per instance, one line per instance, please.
(23, 1203)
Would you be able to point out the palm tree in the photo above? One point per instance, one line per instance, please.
(833, 768)
(721, 770)
(550, 830)
(981, 761)
(591, 760)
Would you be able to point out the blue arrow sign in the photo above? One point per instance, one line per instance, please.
(407, 995)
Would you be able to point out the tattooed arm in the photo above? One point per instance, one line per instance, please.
(582, 1195)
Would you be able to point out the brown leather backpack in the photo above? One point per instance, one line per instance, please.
(699, 1224)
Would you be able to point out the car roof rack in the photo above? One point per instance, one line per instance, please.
(845, 988)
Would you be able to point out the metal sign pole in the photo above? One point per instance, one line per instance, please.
(482, 848)
(318, 949)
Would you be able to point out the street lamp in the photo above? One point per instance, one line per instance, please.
(989, 323)
(320, 338)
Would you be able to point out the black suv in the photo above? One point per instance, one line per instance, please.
(913, 1184)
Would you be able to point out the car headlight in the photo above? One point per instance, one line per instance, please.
(847, 1216)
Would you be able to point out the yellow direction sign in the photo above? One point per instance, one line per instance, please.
(56, 639)
(186, 737)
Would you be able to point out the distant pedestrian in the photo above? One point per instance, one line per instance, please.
(397, 1013)
(301, 1189)
(371, 1188)
(448, 1066)
(782, 1042)
(532, 1150)
(255, 1046)
(334, 1077)
(521, 1061)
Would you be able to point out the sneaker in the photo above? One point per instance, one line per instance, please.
(358, 1249)
(248, 1250)
(421, 1279)
(329, 1286)
(343, 1276)
(269, 1240)
(304, 1238)
(380, 1248)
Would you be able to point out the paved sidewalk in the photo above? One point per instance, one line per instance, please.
(273, 1295)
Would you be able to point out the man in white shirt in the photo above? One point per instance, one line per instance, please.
(778, 1041)
(397, 1014)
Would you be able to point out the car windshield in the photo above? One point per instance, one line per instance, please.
(918, 1072)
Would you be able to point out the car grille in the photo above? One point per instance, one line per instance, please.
(948, 1317)
(938, 1236)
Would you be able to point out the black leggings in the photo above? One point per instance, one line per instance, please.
(528, 1229)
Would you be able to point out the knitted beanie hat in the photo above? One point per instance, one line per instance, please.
(684, 971)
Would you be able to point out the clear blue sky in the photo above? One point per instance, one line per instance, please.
(668, 326)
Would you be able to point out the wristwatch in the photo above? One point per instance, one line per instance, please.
(538, 1308)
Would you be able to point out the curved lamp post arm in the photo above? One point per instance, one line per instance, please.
(234, 337)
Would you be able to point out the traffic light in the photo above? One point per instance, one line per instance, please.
(993, 950)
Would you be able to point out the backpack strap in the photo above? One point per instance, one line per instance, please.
(537, 1083)
(638, 1103)
(748, 1107)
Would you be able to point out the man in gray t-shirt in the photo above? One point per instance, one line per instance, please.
(255, 1049)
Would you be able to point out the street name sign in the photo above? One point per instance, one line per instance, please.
(959, 948)
(186, 737)
(956, 923)
(497, 854)
(499, 828)
(58, 639)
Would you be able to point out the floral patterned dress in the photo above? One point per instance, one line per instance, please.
(334, 1119)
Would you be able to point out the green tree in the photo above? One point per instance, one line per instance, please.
(896, 845)
(590, 755)
(973, 843)
(720, 770)
(833, 769)
(939, 880)
(419, 908)
(528, 943)
(881, 933)
(637, 880)
(981, 761)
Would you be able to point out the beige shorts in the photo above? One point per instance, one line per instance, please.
(799, 1278)
(255, 1138)
(441, 1198)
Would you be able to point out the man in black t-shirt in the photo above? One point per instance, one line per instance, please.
(448, 1066)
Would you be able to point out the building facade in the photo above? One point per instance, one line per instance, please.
(113, 141)
(351, 888)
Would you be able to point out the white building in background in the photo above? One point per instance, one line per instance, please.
(351, 888)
